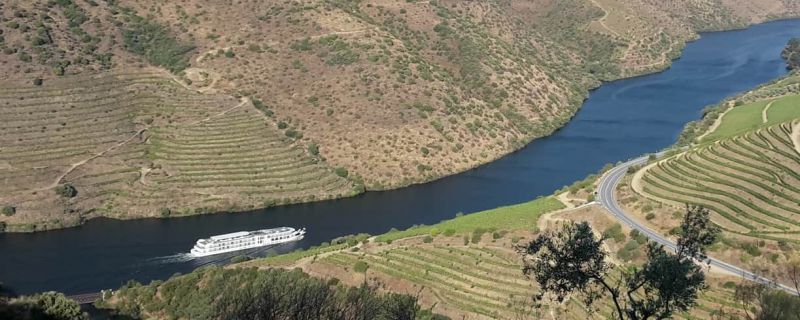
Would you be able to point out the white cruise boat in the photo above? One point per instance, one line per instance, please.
(245, 240)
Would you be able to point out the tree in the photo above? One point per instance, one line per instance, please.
(760, 302)
(792, 54)
(793, 273)
(571, 259)
(48, 305)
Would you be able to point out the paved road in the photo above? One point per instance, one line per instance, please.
(607, 199)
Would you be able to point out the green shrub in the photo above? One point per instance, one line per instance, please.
(66, 190)
(9, 210)
(615, 233)
(342, 172)
(343, 57)
(360, 266)
(282, 125)
(333, 281)
(294, 134)
(240, 259)
(427, 239)
(229, 54)
(638, 236)
(303, 45)
(751, 249)
(165, 212)
(313, 149)
(48, 305)
(449, 232)
(477, 234)
(37, 82)
(650, 216)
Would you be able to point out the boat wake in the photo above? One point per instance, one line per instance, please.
(175, 258)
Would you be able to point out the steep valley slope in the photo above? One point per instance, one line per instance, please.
(356, 94)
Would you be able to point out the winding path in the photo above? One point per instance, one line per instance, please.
(764, 116)
(84, 161)
(602, 19)
(717, 122)
(607, 198)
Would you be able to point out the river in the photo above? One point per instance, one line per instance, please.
(620, 120)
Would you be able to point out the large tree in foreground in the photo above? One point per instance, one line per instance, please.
(571, 260)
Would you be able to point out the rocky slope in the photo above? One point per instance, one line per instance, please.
(389, 93)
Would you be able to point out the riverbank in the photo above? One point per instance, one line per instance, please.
(621, 120)
(201, 201)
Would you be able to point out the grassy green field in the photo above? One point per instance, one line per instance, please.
(748, 117)
(784, 109)
(514, 217)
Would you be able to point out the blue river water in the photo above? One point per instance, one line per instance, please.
(620, 120)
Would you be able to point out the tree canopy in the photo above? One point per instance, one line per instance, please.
(43, 306)
(571, 259)
(792, 54)
(249, 293)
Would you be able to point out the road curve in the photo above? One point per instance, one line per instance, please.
(607, 198)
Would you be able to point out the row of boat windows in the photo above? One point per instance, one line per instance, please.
(239, 243)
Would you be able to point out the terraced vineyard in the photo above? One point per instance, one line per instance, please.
(482, 281)
(751, 181)
(137, 145)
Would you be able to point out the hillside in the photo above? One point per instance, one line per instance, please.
(405, 92)
(131, 145)
(745, 169)
(383, 94)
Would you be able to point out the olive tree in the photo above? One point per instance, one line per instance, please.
(571, 259)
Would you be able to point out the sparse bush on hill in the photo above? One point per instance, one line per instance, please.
(249, 293)
(615, 233)
(360, 267)
(240, 259)
(294, 134)
(342, 172)
(154, 42)
(44, 306)
(9, 210)
(66, 190)
(313, 149)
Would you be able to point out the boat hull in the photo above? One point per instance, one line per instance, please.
(200, 252)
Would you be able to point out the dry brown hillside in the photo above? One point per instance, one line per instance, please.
(401, 92)
(381, 93)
